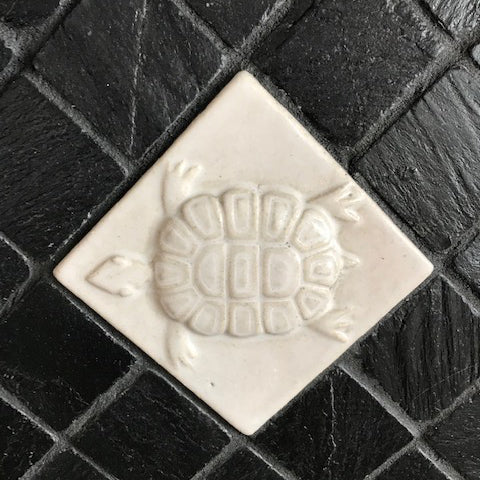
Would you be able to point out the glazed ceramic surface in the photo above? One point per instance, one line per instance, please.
(246, 260)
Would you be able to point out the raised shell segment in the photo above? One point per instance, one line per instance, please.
(250, 261)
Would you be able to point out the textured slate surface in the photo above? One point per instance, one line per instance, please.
(26, 12)
(21, 443)
(244, 465)
(46, 172)
(68, 466)
(313, 437)
(430, 178)
(467, 264)
(459, 16)
(152, 432)
(131, 69)
(427, 353)
(14, 271)
(54, 359)
(458, 436)
(4, 56)
(233, 20)
(413, 466)
(318, 56)
(117, 68)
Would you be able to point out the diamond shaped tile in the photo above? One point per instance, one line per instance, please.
(245, 256)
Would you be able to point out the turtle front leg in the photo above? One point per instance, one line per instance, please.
(180, 347)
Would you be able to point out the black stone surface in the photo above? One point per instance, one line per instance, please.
(54, 359)
(152, 432)
(413, 466)
(457, 438)
(130, 71)
(468, 264)
(21, 13)
(244, 465)
(51, 176)
(21, 443)
(118, 68)
(430, 177)
(459, 16)
(233, 20)
(67, 466)
(316, 436)
(344, 62)
(427, 352)
(5, 55)
(14, 271)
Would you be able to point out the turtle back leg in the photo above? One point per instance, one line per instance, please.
(180, 347)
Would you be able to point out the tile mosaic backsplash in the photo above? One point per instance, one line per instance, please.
(263, 216)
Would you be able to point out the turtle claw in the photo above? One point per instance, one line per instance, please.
(177, 183)
(335, 324)
(342, 202)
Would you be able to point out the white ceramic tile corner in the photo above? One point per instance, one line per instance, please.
(246, 260)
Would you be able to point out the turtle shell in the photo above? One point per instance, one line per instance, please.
(247, 262)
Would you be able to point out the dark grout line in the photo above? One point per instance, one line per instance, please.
(417, 429)
(18, 405)
(217, 461)
(105, 399)
(271, 461)
(139, 21)
(93, 464)
(79, 119)
(26, 42)
(411, 94)
(441, 464)
(202, 26)
(425, 13)
(389, 462)
(234, 60)
(354, 371)
(47, 458)
(63, 439)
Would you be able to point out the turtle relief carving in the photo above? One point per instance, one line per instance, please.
(246, 261)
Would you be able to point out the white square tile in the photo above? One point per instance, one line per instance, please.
(246, 260)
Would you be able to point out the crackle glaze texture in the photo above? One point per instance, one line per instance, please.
(93, 93)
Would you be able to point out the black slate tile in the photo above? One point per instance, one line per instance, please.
(458, 16)
(426, 166)
(21, 443)
(468, 264)
(5, 55)
(152, 432)
(345, 62)
(67, 466)
(233, 20)
(91, 61)
(21, 13)
(13, 271)
(413, 466)
(335, 430)
(427, 352)
(178, 61)
(51, 175)
(130, 71)
(54, 359)
(244, 465)
(457, 438)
